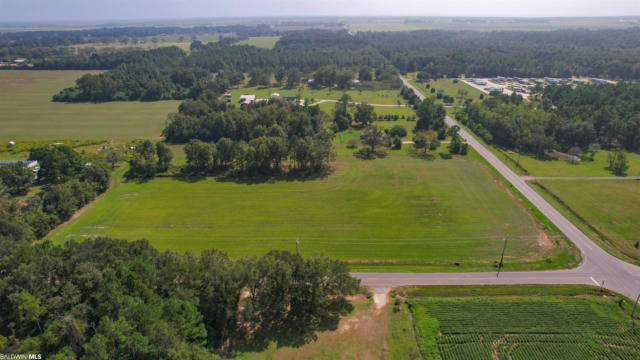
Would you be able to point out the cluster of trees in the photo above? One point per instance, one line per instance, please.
(146, 83)
(431, 117)
(329, 75)
(363, 116)
(409, 95)
(68, 182)
(148, 160)
(15, 179)
(257, 138)
(571, 120)
(107, 299)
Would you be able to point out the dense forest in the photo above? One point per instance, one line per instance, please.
(169, 73)
(147, 74)
(576, 120)
(562, 53)
(109, 299)
(255, 138)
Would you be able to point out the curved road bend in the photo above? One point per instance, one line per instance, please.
(597, 265)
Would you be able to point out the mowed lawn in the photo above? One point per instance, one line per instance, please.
(611, 206)
(523, 322)
(556, 167)
(386, 96)
(27, 112)
(400, 209)
(447, 87)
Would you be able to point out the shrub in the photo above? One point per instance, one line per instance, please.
(398, 130)
(352, 144)
(397, 143)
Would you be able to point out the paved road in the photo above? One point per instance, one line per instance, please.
(597, 265)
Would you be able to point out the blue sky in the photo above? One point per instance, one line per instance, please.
(91, 10)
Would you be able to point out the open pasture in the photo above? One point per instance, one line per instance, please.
(29, 114)
(400, 212)
(610, 206)
(557, 167)
(447, 87)
(533, 322)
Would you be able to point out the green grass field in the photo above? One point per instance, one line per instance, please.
(611, 207)
(29, 114)
(448, 87)
(389, 96)
(556, 167)
(400, 213)
(530, 322)
(264, 42)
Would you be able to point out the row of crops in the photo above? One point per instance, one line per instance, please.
(524, 328)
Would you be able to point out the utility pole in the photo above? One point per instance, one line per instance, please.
(602, 286)
(502, 257)
(297, 243)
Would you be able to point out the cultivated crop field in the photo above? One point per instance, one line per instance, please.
(540, 322)
(398, 213)
(264, 42)
(611, 206)
(29, 114)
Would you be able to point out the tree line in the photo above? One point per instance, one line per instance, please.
(578, 121)
(254, 138)
(107, 299)
(40, 46)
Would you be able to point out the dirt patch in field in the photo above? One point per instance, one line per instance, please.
(544, 241)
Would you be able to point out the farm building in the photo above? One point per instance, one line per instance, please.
(247, 99)
(287, 99)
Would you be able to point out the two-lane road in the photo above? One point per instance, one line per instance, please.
(597, 265)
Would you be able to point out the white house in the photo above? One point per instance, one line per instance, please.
(247, 99)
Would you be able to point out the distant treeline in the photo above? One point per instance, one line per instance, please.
(437, 53)
(47, 38)
(579, 120)
(561, 53)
